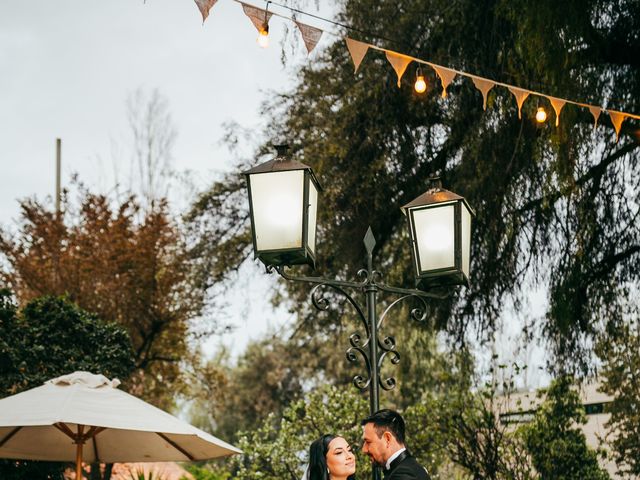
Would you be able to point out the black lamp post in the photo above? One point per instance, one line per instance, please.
(283, 199)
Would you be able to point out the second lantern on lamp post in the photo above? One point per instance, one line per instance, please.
(440, 231)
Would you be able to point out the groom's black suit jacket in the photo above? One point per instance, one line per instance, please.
(405, 467)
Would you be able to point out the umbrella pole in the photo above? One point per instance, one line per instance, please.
(79, 461)
(80, 439)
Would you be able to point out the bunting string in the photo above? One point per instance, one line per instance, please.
(400, 61)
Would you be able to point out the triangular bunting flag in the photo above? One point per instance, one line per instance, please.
(357, 50)
(484, 86)
(258, 16)
(617, 118)
(399, 63)
(204, 6)
(557, 104)
(446, 77)
(521, 95)
(310, 35)
(595, 111)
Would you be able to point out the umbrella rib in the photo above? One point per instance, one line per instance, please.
(176, 446)
(65, 429)
(92, 435)
(95, 448)
(8, 437)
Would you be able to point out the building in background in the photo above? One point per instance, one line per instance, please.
(520, 407)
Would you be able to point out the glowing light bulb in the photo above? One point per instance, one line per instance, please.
(421, 85)
(541, 115)
(263, 37)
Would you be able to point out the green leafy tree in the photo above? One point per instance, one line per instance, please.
(278, 447)
(556, 206)
(557, 446)
(620, 378)
(49, 337)
(460, 434)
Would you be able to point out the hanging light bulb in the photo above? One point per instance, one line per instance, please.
(541, 115)
(263, 36)
(421, 85)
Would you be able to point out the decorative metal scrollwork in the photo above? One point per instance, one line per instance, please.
(321, 303)
(361, 382)
(363, 347)
(388, 347)
(318, 300)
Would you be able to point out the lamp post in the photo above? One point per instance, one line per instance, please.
(283, 200)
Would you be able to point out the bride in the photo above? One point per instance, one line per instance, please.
(330, 458)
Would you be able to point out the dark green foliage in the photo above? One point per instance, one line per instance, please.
(50, 337)
(556, 206)
(203, 473)
(278, 448)
(9, 357)
(620, 376)
(458, 430)
(556, 445)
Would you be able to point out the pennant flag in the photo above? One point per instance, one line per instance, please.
(521, 95)
(595, 111)
(399, 63)
(204, 6)
(446, 77)
(617, 118)
(310, 35)
(557, 104)
(258, 16)
(357, 50)
(484, 86)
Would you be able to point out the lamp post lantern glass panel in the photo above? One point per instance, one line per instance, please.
(277, 199)
(440, 230)
(313, 217)
(436, 226)
(283, 200)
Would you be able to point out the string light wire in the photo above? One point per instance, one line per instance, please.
(418, 60)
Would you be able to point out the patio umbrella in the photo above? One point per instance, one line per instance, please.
(83, 417)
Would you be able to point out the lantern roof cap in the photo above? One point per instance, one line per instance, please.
(435, 194)
(282, 163)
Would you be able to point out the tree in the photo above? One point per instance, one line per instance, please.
(460, 433)
(560, 212)
(287, 438)
(152, 138)
(620, 355)
(125, 265)
(270, 375)
(557, 447)
(49, 337)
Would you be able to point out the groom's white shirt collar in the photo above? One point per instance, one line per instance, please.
(392, 458)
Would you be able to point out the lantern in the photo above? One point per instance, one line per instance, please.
(283, 200)
(440, 231)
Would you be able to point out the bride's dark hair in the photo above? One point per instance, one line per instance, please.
(318, 458)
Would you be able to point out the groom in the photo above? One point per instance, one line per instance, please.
(383, 440)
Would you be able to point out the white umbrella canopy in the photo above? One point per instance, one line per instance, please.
(55, 421)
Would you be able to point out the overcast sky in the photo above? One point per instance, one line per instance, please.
(67, 67)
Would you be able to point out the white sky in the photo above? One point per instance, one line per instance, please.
(67, 67)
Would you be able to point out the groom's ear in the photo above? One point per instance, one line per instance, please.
(388, 437)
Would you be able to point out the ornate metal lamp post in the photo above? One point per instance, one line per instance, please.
(283, 199)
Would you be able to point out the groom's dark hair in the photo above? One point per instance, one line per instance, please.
(387, 421)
